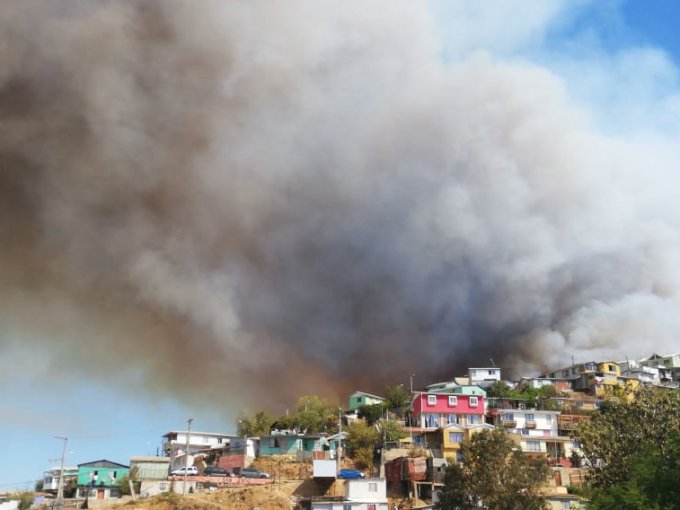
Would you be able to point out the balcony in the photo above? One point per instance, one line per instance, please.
(510, 424)
(530, 424)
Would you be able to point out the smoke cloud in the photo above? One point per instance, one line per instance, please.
(301, 197)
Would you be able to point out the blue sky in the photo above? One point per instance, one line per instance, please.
(627, 50)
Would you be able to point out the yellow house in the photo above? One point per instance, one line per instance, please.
(454, 435)
(609, 367)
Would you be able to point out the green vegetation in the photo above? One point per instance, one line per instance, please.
(371, 413)
(632, 450)
(398, 399)
(539, 398)
(361, 441)
(260, 424)
(495, 475)
(392, 430)
(652, 483)
(124, 482)
(622, 429)
(312, 413)
(25, 499)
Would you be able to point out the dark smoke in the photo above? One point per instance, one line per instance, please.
(301, 196)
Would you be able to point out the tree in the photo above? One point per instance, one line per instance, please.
(623, 428)
(315, 414)
(124, 482)
(371, 412)
(652, 483)
(25, 499)
(257, 425)
(501, 390)
(397, 399)
(493, 474)
(361, 441)
(392, 430)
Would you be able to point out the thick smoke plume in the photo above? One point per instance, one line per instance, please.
(301, 197)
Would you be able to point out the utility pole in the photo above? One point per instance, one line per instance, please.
(410, 410)
(186, 456)
(60, 488)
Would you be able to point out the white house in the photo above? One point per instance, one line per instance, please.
(51, 478)
(484, 376)
(360, 494)
(175, 445)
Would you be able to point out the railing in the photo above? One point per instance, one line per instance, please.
(511, 424)
(530, 424)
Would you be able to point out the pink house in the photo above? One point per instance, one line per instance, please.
(434, 410)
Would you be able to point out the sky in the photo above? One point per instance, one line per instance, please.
(613, 67)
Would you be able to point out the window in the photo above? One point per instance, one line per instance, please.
(492, 372)
(431, 400)
(525, 432)
(431, 420)
(549, 418)
(507, 417)
(452, 419)
(533, 446)
(370, 506)
(473, 402)
(474, 419)
(372, 487)
(455, 437)
(566, 505)
(529, 417)
(453, 401)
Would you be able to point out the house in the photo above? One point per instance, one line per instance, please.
(152, 473)
(100, 479)
(302, 446)
(51, 478)
(360, 398)
(604, 384)
(573, 371)
(528, 422)
(484, 376)
(535, 431)
(176, 443)
(562, 500)
(452, 436)
(406, 469)
(671, 362)
(561, 385)
(435, 410)
(360, 494)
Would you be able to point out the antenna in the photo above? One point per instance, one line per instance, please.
(492, 363)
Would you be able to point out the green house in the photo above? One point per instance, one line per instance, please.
(470, 390)
(100, 479)
(294, 444)
(360, 398)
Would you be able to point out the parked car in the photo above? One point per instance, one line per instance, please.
(350, 474)
(216, 471)
(190, 471)
(254, 473)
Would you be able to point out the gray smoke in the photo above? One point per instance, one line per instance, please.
(302, 196)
